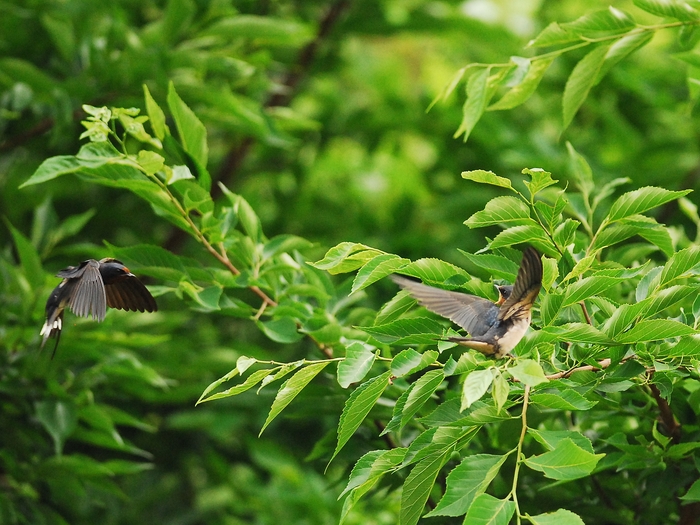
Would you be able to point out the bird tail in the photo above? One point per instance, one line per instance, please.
(52, 328)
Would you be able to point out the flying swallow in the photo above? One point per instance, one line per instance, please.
(88, 289)
(493, 328)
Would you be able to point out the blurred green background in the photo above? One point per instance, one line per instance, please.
(316, 114)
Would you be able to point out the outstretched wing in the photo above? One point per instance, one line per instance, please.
(130, 294)
(474, 314)
(89, 294)
(526, 288)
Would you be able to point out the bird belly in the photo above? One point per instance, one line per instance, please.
(512, 337)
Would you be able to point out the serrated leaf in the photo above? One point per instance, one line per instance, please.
(529, 234)
(252, 380)
(487, 177)
(551, 438)
(587, 287)
(404, 362)
(378, 268)
(497, 265)
(686, 347)
(671, 8)
(191, 131)
(553, 35)
(346, 257)
(488, 510)
(575, 333)
(474, 106)
(519, 93)
(435, 271)
(422, 389)
(418, 485)
(693, 493)
(580, 82)
(283, 330)
(417, 330)
(373, 465)
(641, 200)
(155, 115)
(465, 482)
(599, 23)
(653, 330)
(567, 461)
(475, 386)
(623, 47)
(562, 400)
(500, 391)
(358, 361)
(357, 407)
(291, 389)
(395, 308)
(559, 517)
(528, 372)
(501, 210)
(679, 264)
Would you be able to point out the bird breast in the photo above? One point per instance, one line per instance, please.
(513, 336)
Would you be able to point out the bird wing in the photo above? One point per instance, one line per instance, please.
(526, 288)
(130, 294)
(468, 311)
(89, 294)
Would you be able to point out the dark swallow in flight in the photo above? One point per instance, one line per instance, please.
(494, 328)
(88, 289)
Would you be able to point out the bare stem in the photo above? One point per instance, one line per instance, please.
(519, 453)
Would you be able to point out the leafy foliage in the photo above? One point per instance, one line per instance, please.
(604, 382)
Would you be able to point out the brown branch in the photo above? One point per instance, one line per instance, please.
(671, 425)
(585, 313)
(236, 155)
(603, 364)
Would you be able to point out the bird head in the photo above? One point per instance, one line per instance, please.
(113, 270)
(504, 292)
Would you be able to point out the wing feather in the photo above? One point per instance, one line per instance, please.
(130, 294)
(89, 295)
(526, 288)
(468, 311)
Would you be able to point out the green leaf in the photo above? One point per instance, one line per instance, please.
(152, 260)
(587, 287)
(575, 333)
(373, 465)
(346, 257)
(435, 271)
(283, 330)
(395, 308)
(252, 380)
(466, 481)
(358, 361)
(641, 200)
(500, 391)
(653, 330)
(155, 115)
(358, 406)
(405, 362)
(487, 177)
(59, 418)
(580, 82)
(553, 35)
(264, 30)
(284, 243)
(417, 330)
(559, 517)
(420, 393)
(529, 234)
(488, 510)
(291, 388)
(567, 461)
(418, 485)
(475, 386)
(551, 438)
(622, 48)
(693, 493)
(501, 210)
(497, 265)
(376, 269)
(528, 372)
(680, 264)
(28, 257)
(474, 106)
(600, 23)
(562, 400)
(686, 347)
(671, 8)
(522, 91)
(192, 133)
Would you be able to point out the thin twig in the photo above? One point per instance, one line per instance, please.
(603, 364)
(585, 313)
(523, 431)
(669, 421)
